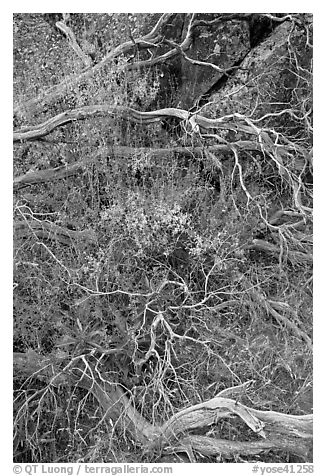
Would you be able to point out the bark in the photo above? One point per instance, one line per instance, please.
(50, 231)
(208, 446)
(195, 121)
(277, 152)
(73, 43)
(47, 175)
(294, 256)
(271, 430)
(273, 309)
(125, 152)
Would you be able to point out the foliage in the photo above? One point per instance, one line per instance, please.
(174, 279)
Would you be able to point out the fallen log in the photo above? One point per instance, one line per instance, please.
(271, 430)
(125, 152)
(47, 175)
(291, 255)
(195, 121)
(50, 231)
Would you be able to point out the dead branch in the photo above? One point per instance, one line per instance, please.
(41, 130)
(273, 309)
(48, 175)
(208, 446)
(125, 152)
(275, 146)
(87, 60)
(151, 39)
(187, 42)
(277, 430)
(195, 121)
(184, 46)
(50, 231)
(200, 63)
(291, 255)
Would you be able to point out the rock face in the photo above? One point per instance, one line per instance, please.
(267, 79)
(222, 45)
(263, 50)
(267, 74)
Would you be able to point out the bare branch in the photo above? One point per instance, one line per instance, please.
(234, 122)
(87, 60)
(69, 82)
(278, 430)
(125, 152)
(51, 231)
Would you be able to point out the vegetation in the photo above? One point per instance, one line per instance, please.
(162, 237)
